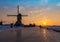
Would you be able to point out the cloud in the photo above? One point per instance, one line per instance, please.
(43, 2)
(46, 1)
(38, 12)
(21, 8)
(58, 4)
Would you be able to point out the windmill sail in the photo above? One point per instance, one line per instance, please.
(18, 9)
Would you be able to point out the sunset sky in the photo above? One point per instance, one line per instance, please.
(38, 11)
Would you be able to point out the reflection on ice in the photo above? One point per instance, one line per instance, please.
(44, 34)
(18, 35)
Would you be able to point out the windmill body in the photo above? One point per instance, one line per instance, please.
(19, 17)
(19, 20)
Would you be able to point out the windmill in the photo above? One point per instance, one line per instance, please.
(19, 17)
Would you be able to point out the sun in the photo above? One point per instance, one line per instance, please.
(44, 23)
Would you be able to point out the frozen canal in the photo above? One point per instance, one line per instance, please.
(29, 34)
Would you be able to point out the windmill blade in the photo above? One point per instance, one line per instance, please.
(24, 15)
(11, 15)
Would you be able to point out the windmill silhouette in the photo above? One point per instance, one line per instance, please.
(19, 17)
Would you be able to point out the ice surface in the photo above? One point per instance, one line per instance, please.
(28, 34)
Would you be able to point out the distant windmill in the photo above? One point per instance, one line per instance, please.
(19, 17)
